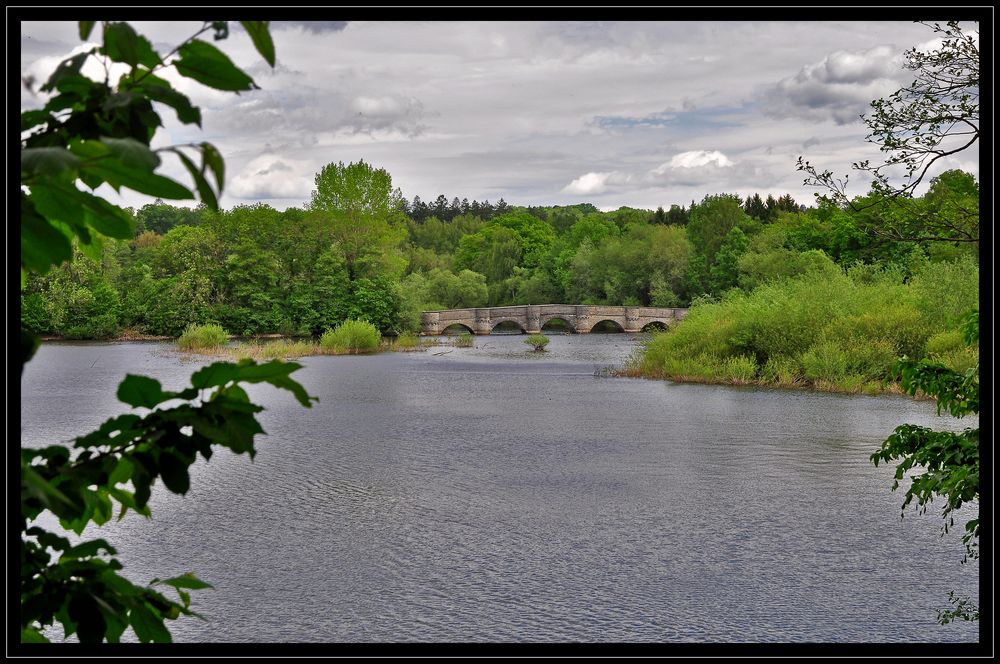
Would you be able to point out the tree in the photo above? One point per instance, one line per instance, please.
(724, 273)
(711, 220)
(361, 208)
(95, 133)
(755, 207)
(677, 215)
(160, 217)
(935, 116)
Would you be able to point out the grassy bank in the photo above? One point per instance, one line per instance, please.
(830, 331)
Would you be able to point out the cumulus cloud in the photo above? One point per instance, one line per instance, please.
(840, 87)
(695, 159)
(596, 183)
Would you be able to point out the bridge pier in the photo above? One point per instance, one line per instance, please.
(533, 314)
(632, 324)
(484, 324)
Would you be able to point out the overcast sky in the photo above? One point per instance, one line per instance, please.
(548, 113)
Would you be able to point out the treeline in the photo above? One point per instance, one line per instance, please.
(359, 250)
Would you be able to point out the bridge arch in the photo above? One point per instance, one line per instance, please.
(457, 328)
(603, 324)
(545, 320)
(655, 326)
(496, 322)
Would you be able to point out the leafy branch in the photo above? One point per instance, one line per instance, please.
(949, 461)
(91, 133)
(933, 117)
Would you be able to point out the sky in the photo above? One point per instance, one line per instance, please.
(643, 114)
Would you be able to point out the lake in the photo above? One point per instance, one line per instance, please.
(497, 494)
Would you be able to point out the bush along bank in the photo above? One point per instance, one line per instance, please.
(829, 330)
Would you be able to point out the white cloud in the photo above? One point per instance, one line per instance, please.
(695, 159)
(589, 183)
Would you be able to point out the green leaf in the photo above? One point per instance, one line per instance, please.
(160, 90)
(174, 472)
(86, 614)
(68, 67)
(213, 375)
(57, 199)
(29, 635)
(88, 549)
(116, 622)
(208, 65)
(128, 501)
(100, 162)
(29, 344)
(204, 190)
(30, 119)
(122, 472)
(85, 28)
(52, 498)
(145, 183)
(187, 580)
(212, 159)
(42, 244)
(77, 88)
(47, 161)
(132, 153)
(123, 44)
(48, 539)
(108, 432)
(52, 203)
(275, 372)
(142, 391)
(102, 508)
(147, 625)
(261, 37)
(92, 247)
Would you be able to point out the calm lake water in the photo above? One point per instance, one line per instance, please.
(496, 494)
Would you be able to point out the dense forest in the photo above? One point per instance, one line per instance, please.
(360, 250)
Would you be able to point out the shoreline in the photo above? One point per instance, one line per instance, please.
(825, 387)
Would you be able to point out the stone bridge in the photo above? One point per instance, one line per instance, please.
(581, 318)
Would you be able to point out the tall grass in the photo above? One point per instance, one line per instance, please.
(200, 337)
(836, 331)
(353, 336)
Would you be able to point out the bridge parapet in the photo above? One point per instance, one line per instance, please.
(532, 317)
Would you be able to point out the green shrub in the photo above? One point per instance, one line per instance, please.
(202, 336)
(945, 342)
(825, 361)
(950, 349)
(537, 341)
(355, 336)
(836, 330)
(464, 340)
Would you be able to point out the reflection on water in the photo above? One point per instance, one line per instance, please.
(497, 494)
